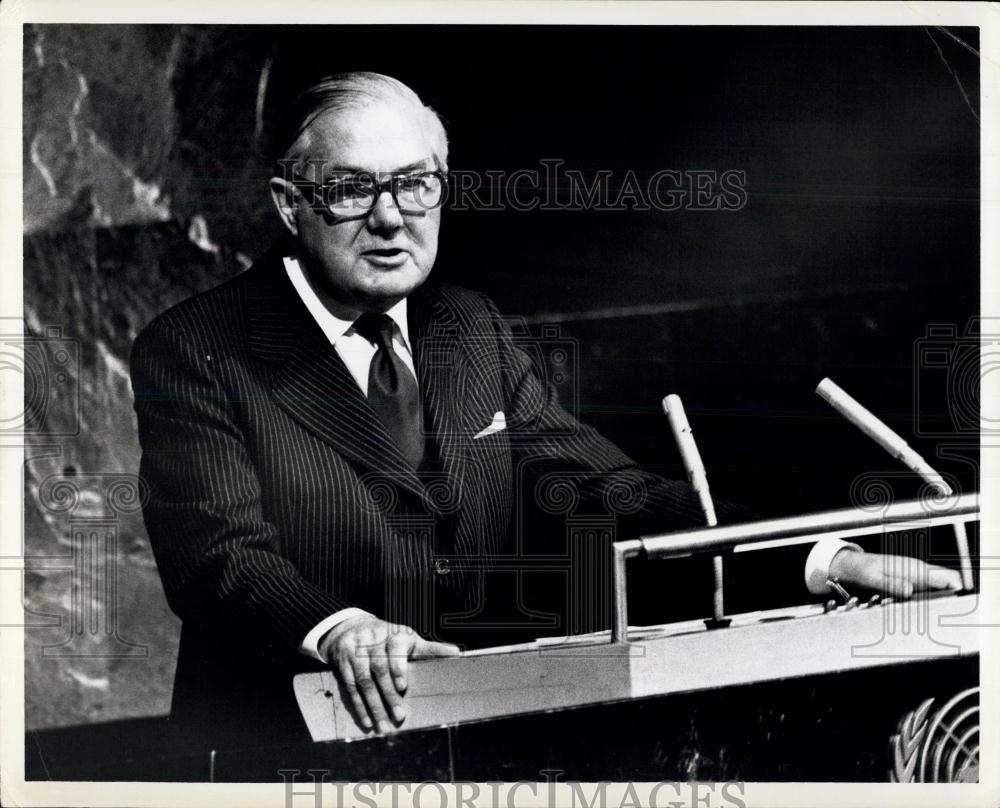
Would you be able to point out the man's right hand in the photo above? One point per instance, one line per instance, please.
(370, 658)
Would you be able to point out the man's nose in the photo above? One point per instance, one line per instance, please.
(384, 215)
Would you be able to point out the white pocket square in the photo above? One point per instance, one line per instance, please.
(499, 423)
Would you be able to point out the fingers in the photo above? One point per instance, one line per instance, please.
(943, 578)
(366, 683)
(894, 575)
(429, 648)
(379, 663)
(344, 666)
(894, 587)
(922, 576)
(371, 659)
(400, 646)
(887, 578)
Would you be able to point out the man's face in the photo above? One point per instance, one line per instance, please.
(369, 263)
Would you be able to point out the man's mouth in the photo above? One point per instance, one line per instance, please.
(386, 256)
(386, 252)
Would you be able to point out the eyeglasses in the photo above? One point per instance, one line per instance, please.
(354, 195)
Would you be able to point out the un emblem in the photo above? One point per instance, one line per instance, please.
(938, 747)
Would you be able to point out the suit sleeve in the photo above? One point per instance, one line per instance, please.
(217, 554)
(548, 439)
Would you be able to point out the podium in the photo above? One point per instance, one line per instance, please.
(629, 665)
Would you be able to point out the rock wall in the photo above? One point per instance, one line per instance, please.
(111, 239)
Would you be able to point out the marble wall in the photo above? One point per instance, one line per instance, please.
(112, 237)
(145, 182)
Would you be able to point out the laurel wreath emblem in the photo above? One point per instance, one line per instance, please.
(942, 747)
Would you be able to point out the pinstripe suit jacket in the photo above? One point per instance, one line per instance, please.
(276, 497)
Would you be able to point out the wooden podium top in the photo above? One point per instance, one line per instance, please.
(561, 673)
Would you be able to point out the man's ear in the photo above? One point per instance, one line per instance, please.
(285, 196)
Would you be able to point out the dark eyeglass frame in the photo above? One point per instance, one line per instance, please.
(316, 192)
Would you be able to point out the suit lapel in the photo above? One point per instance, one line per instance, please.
(433, 337)
(456, 364)
(313, 384)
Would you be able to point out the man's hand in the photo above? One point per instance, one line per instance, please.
(369, 657)
(892, 575)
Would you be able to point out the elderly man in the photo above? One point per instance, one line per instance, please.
(334, 447)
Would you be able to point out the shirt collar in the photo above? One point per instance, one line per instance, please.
(336, 328)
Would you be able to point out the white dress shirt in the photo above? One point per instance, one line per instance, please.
(357, 353)
(355, 350)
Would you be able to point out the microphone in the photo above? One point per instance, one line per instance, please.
(691, 457)
(674, 410)
(879, 432)
(863, 419)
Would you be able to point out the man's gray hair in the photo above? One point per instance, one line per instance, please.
(351, 91)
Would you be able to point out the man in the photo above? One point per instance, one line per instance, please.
(335, 449)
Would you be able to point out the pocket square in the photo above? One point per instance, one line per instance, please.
(499, 423)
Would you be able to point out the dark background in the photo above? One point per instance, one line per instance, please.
(145, 160)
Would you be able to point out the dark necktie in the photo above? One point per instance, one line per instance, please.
(392, 390)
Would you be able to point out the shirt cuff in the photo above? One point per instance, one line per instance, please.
(310, 645)
(819, 561)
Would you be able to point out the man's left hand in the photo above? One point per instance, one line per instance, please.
(892, 575)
